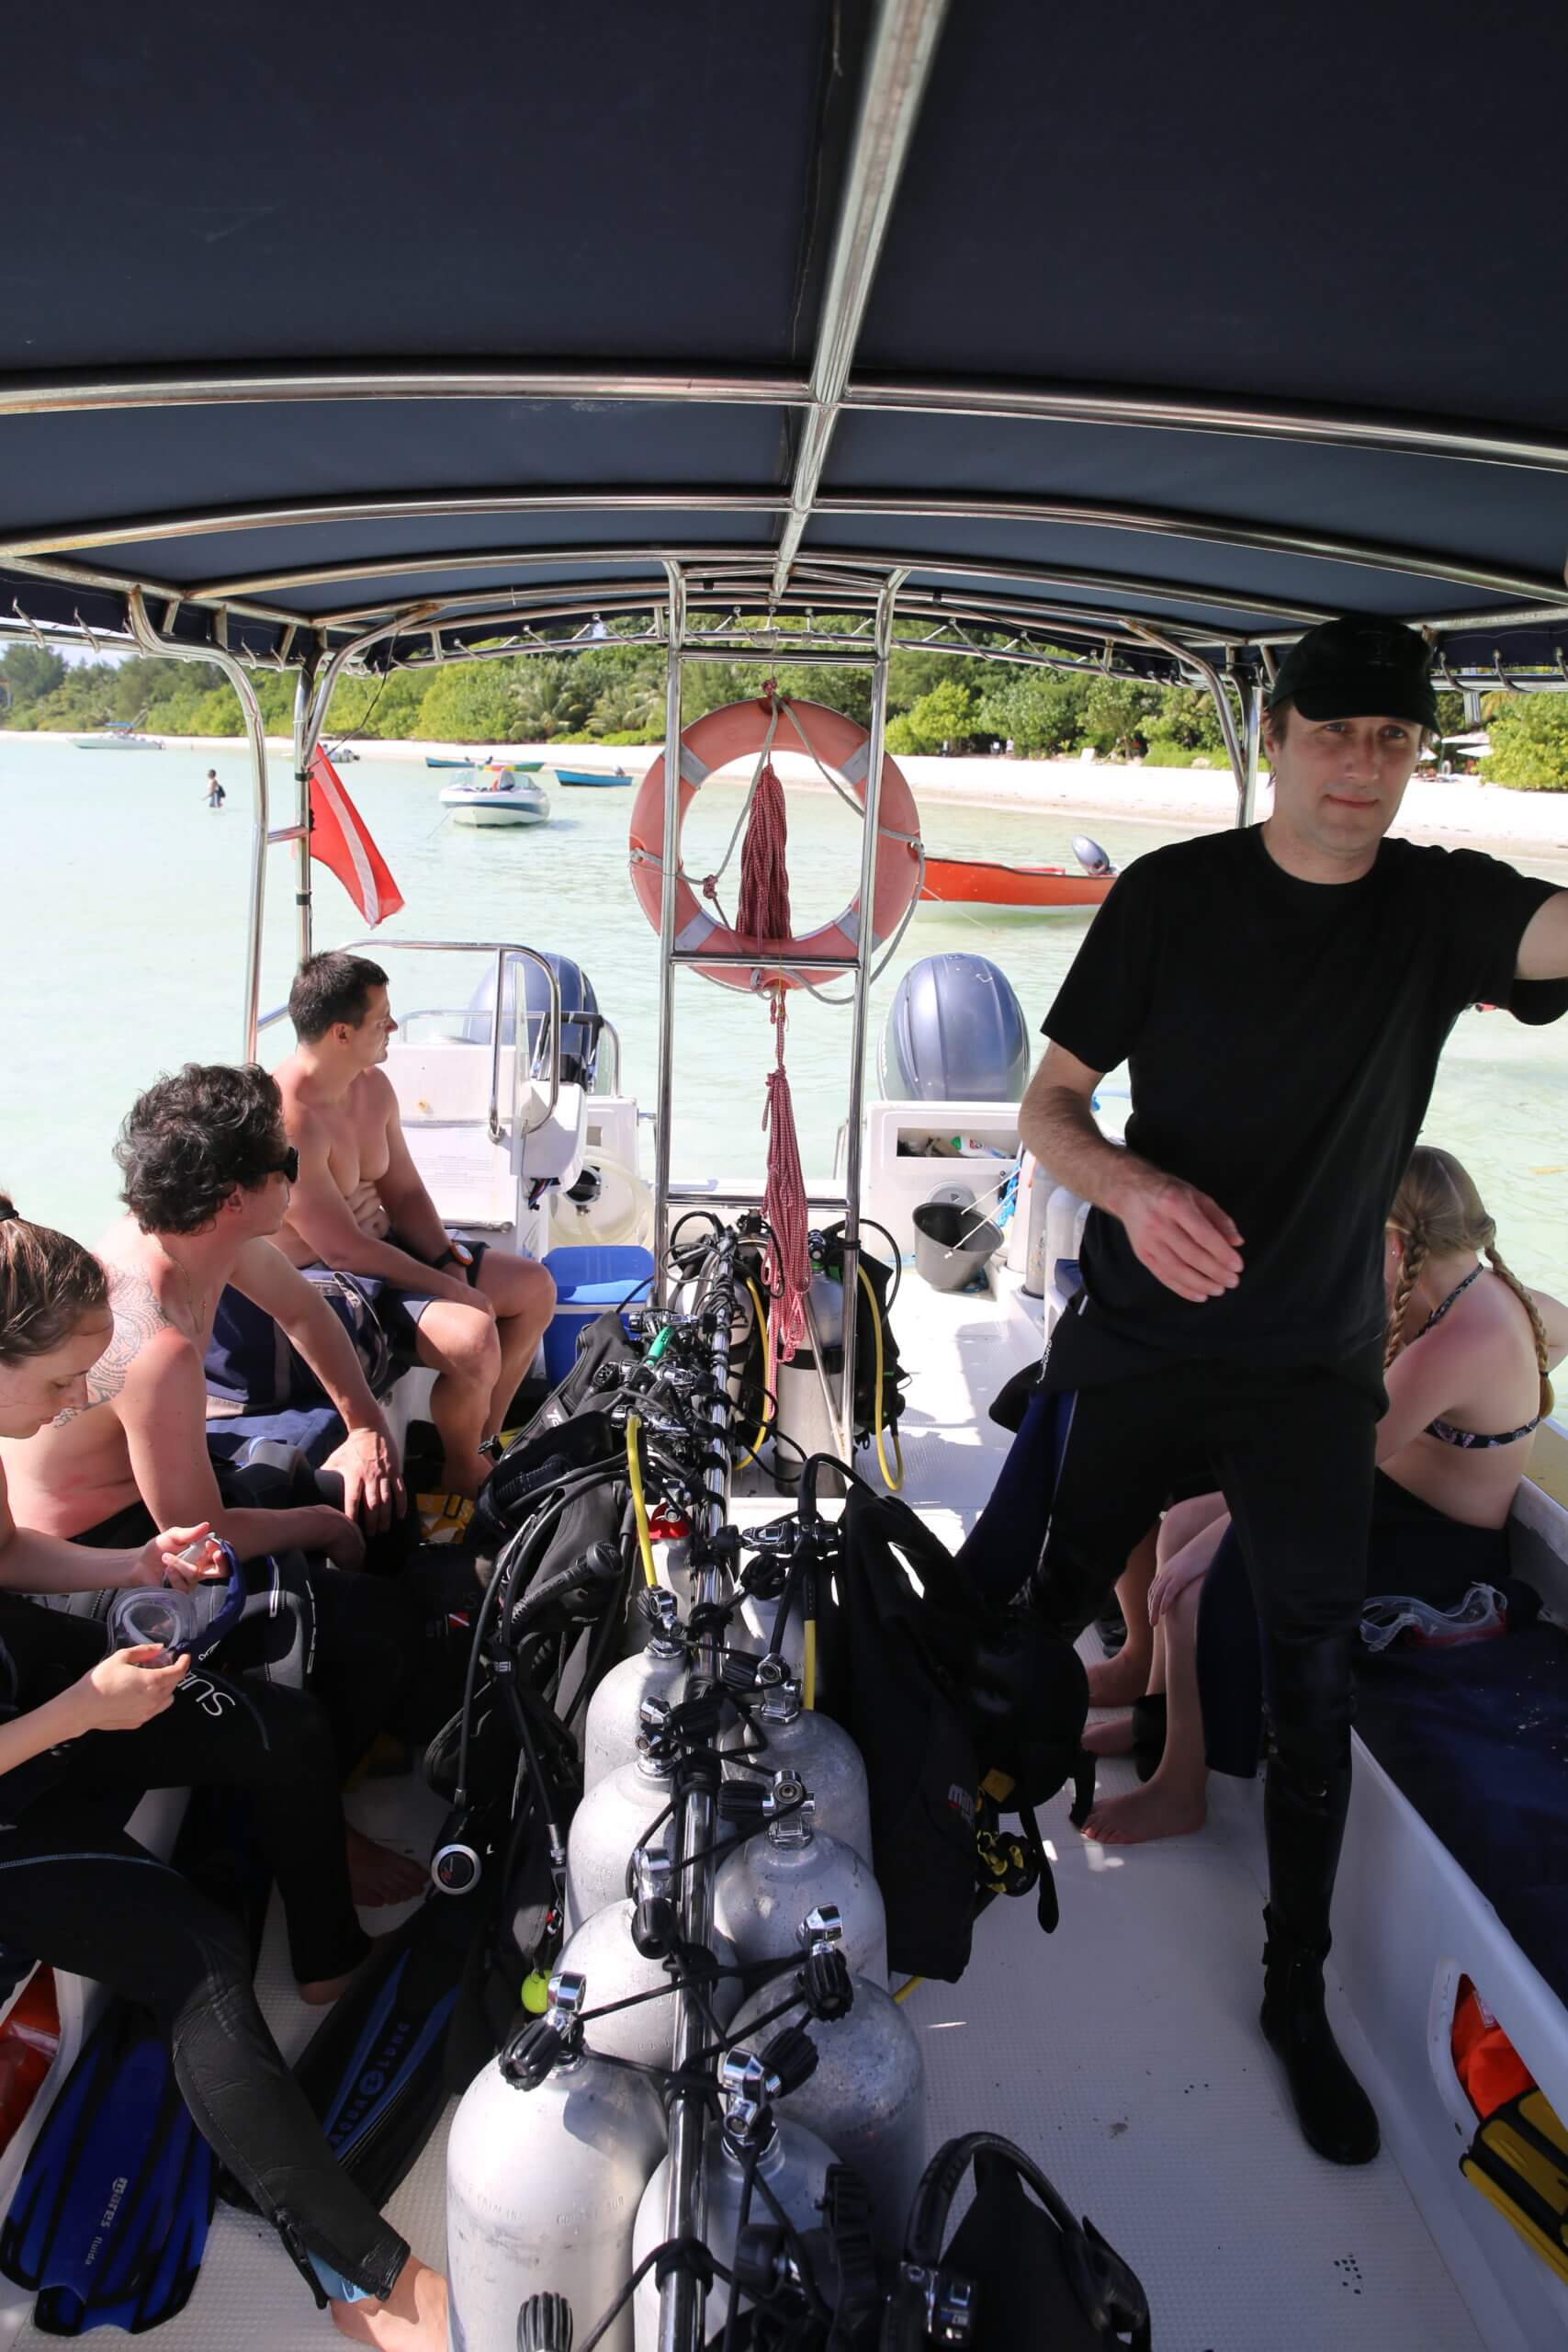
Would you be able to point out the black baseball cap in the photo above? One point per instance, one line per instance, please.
(1357, 669)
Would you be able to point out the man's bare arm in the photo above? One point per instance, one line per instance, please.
(161, 1406)
(1543, 950)
(320, 1214)
(367, 1459)
(1184, 1238)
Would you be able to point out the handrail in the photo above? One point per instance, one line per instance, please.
(501, 949)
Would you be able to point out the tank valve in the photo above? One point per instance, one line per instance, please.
(532, 2053)
(545, 2324)
(655, 1922)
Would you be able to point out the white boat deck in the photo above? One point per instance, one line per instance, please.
(1122, 2051)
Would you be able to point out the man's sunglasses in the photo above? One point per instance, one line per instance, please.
(288, 1167)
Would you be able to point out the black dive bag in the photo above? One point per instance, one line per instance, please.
(963, 1712)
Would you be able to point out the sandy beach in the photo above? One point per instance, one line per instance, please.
(1457, 808)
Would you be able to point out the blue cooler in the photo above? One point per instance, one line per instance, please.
(588, 1281)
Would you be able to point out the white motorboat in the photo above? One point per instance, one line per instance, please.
(496, 797)
(113, 738)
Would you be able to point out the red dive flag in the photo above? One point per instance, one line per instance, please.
(338, 837)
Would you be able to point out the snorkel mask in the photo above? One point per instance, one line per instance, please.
(182, 1624)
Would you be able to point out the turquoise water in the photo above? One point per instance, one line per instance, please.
(123, 953)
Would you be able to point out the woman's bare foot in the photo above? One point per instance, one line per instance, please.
(377, 1875)
(1118, 1681)
(1147, 1813)
(1114, 1738)
(412, 2319)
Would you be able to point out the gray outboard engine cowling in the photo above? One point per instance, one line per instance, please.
(579, 1015)
(956, 1034)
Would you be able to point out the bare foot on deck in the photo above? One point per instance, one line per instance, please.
(1145, 1813)
(1117, 1681)
(378, 1876)
(412, 2319)
(1114, 1738)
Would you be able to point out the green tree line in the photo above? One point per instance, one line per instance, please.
(613, 693)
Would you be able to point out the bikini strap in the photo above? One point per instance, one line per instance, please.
(1438, 1312)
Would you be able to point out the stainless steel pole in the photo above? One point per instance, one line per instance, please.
(682, 2299)
(1250, 690)
(150, 641)
(677, 630)
(865, 948)
(304, 749)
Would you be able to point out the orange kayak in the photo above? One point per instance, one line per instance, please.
(973, 881)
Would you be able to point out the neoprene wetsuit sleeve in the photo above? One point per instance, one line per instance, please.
(1102, 1004)
(1492, 907)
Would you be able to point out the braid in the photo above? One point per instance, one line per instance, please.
(1417, 1249)
(1528, 1303)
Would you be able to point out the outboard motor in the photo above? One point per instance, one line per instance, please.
(579, 1017)
(1090, 856)
(956, 1034)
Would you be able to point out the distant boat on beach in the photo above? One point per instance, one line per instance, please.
(518, 767)
(116, 735)
(577, 779)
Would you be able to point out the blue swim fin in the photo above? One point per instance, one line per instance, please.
(109, 2219)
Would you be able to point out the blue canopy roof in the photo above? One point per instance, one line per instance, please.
(1206, 321)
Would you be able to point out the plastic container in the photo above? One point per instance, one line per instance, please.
(587, 1281)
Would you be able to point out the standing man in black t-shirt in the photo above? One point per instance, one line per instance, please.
(1282, 996)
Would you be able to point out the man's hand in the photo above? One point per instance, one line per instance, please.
(1184, 1238)
(367, 1461)
(321, 1529)
(158, 1561)
(460, 1292)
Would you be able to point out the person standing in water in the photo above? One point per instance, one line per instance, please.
(216, 795)
(1282, 995)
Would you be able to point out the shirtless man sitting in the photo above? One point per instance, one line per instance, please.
(473, 1313)
(206, 1168)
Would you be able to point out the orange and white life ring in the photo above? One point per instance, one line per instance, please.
(741, 729)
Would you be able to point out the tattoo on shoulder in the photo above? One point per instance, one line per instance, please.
(137, 1315)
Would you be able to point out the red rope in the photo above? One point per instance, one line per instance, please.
(788, 1262)
(762, 911)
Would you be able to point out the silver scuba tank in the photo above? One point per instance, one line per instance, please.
(867, 2096)
(610, 1731)
(549, 2153)
(764, 1890)
(791, 2160)
(791, 1738)
(614, 1818)
(620, 1950)
(751, 1627)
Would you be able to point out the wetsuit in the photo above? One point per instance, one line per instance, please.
(78, 1892)
(1283, 1038)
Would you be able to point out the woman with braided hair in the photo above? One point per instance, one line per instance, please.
(1467, 1359)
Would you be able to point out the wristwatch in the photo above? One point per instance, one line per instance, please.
(458, 1253)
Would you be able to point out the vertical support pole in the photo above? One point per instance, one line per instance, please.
(662, 1141)
(149, 639)
(304, 751)
(865, 949)
(1250, 689)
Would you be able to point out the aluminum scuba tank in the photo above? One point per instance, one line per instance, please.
(867, 2097)
(765, 1889)
(621, 1950)
(616, 1818)
(549, 2153)
(792, 1738)
(791, 2160)
(610, 1732)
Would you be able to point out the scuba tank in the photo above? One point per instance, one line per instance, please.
(792, 1738)
(793, 2161)
(621, 1952)
(549, 2152)
(620, 1814)
(755, 1615)
(764, 1890)
(610, 1732)
(867, 2095)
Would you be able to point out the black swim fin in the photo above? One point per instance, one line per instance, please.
(375, 2068)
(108, 2222)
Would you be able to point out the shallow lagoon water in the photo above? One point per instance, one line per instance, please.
(122, 955)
